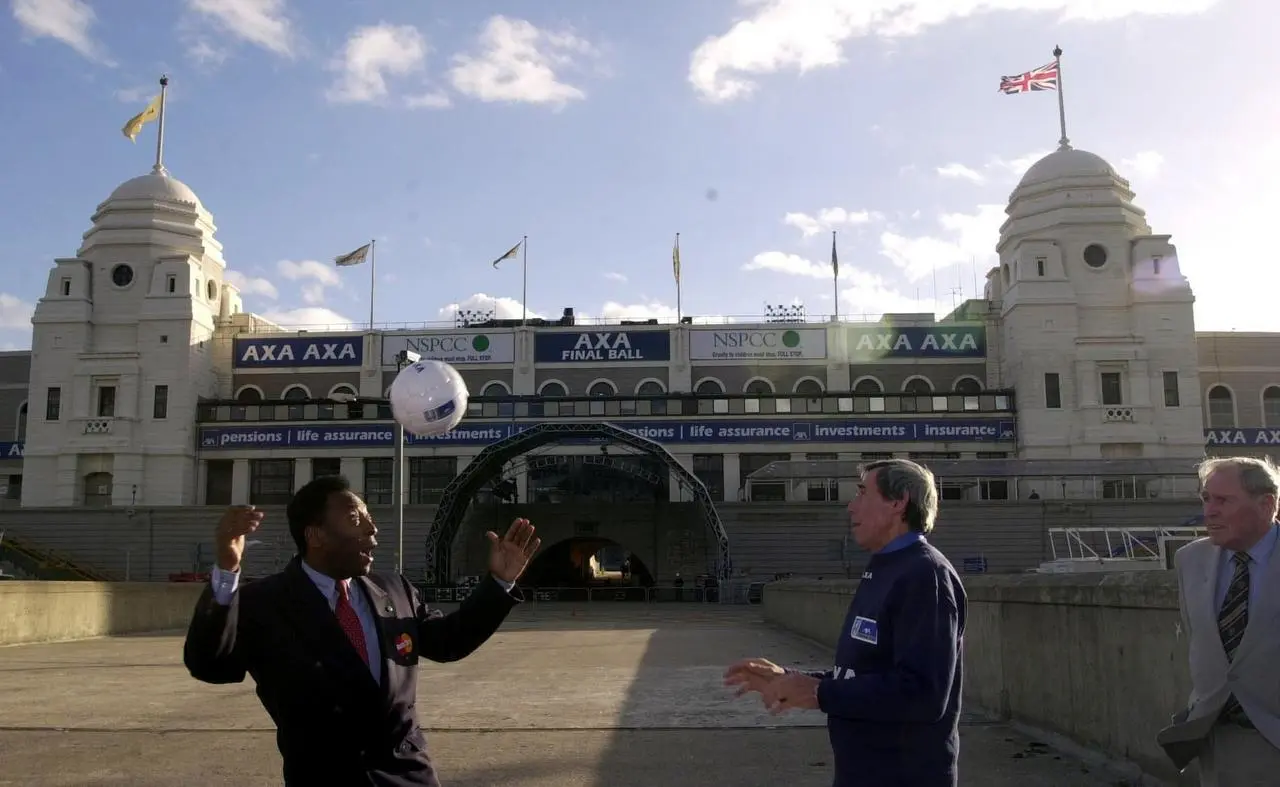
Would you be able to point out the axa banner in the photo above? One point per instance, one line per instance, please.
(1246, 436)
(870, 343)
(294, 352)
(11, 450)
(770, 344)
(451, 347)
(474, 433)
(601, 346)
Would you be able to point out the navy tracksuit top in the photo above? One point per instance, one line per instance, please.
(893, 699)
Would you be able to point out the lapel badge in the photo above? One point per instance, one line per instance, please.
(404, 645)
(389, 609)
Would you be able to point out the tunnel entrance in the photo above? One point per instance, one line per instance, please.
(489, 464)
(587, 562)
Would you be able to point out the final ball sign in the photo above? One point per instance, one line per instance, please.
(429, 398)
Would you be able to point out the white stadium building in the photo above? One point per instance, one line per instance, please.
(1075, 393)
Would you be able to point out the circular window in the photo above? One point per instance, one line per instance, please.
(212, 288)
(1095, 256)
(122, 275)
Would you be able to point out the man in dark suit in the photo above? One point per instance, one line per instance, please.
(334, 649)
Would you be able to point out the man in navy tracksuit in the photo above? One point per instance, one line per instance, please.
(893, 698)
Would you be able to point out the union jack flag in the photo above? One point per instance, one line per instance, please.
(1043, 78)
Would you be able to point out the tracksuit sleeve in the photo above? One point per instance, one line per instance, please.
(925, 631)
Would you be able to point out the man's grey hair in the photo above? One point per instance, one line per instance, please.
(902, 479)
(1258, 476)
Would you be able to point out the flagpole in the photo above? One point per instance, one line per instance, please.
(679, 309)
(158, 169)
(1063, 143)
(373, 267)
(835, 278)
(524, 293)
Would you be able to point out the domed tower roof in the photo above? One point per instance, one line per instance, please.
(164, 209)
(155, 186)
(1064, 163)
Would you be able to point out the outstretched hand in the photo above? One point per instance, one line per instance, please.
(509, 555)
(753, 674)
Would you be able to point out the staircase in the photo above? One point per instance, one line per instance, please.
(23, 561)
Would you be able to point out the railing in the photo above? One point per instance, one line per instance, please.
(735, 592)
(537, 321)
(666, 405)
(1119, 547)
(44, 563)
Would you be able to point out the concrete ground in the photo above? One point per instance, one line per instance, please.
(586, 696)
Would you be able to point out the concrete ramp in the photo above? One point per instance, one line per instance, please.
(565, 695)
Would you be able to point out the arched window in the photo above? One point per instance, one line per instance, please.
(296, 393)
(553, 388)
(868, 386)
(1222, 408)
(494, 388)
(758, 387)
(809, 387)
(709, 388)
(1271, 406)
(968, 386)
(650, 388)
(918, 386)
(602, 388)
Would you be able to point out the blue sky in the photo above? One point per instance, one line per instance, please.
(448, 130)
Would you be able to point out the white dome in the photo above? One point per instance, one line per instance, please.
(1067, 163)
(155, 187)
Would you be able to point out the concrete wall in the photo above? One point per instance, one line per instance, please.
(55, 611)
(1095, 658)
(806, 539)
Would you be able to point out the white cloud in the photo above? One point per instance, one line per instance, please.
(517, 62)
(312, 319)
(621, 278)
(250, 285)
(804, 35)
(67, 21)
(15, 313)
(870, 296)
(961, 172)
(612, 310)
(259, 22)
(370, 56)
(967, 237)
(431, 100)
(1144, 164)
(790, 264)
(202, 53)
(829, 219)
(500, 307)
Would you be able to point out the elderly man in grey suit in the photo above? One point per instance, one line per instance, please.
(1229, 593)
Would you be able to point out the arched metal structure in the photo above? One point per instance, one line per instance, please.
(457, 496)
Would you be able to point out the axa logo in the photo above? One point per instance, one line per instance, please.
(602, 341)
(299, 353)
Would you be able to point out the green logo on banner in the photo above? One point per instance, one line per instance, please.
(790, 339)
(480, 343)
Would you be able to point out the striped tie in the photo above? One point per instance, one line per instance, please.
(1233, 620)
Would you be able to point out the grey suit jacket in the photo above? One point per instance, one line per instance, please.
(1251, 677)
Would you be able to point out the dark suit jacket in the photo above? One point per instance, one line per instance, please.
(335, 725)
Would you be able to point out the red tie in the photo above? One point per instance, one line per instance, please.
(348, 620)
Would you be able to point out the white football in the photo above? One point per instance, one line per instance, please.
(429, 398)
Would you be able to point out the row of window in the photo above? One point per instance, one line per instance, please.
(919, 385)
(1222, 407)
(1221, 402)
(595, 478)
(597, 406)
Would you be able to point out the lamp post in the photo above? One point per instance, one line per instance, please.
(403, 358)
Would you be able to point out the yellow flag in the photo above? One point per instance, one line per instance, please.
(675, 258)
(135, 124)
